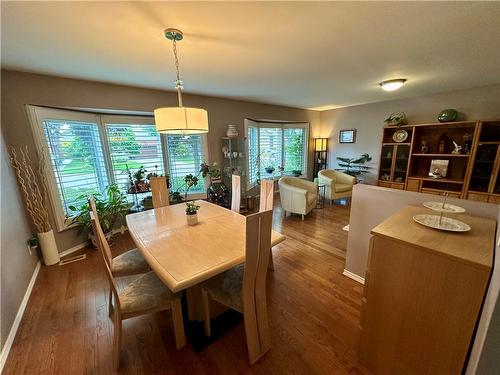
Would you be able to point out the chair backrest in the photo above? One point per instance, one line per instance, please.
(266, 195)
(104, 248)
(101, 242)
(159, 191)
(257, 253)
(235, 193)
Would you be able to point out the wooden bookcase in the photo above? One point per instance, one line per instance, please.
(474, 175)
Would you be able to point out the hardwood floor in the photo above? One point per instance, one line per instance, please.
(313, 312)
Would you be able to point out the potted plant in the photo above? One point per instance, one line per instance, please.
(111, 209)
(192, 213)
(269, 169)
(297, 173)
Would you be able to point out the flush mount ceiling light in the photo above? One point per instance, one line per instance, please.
(392, 84)
(180, 119)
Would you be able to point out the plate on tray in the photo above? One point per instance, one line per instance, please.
(400, 136)
(449, 208)
(447, 224)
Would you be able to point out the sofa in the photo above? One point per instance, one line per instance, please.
(297, 195)
(337, 184)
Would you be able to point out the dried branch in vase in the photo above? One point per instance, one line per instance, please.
(33, 187)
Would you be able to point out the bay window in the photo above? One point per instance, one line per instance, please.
(280, 147)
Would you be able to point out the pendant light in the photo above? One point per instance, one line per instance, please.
(180, 120)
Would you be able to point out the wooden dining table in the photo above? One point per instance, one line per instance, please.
(183, 256)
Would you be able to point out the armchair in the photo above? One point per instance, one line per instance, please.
(337, 184)
(297, 195)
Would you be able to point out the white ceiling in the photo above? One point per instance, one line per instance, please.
(302, 54)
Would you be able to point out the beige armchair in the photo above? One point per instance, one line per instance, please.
(297, 195)
(337, 184)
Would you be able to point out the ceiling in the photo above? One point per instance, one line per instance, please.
(303, 54)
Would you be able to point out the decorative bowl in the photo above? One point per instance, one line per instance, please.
(447, 115)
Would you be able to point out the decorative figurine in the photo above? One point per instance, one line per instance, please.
(457, 150)
(424, 148)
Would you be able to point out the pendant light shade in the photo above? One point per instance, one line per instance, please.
(181, 120)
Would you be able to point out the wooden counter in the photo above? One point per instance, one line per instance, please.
(423, 293)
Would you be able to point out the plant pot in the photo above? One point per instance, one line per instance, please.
(192, 219)
(269, 170)
(108, 236)
(49, 248)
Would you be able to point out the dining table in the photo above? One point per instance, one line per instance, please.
(183, 256)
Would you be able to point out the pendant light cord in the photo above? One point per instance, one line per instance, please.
(178, 82)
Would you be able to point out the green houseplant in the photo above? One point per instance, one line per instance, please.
(354, 166)
(192, 213)
(112, 206)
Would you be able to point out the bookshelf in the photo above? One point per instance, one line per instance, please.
(473, 174)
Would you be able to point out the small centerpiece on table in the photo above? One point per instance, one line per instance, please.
(192, 213)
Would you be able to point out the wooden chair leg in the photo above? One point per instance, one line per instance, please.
(178, 322)
(117, 341)
(252, 334)
(110, 308)
(206, 311)
(271, 262)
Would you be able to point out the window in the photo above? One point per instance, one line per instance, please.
(275, 145)
(133, 145)
(87, 152)
(185, 154)
(77, 160)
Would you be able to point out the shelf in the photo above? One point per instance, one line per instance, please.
(446, 180)
(480, 143)
(485, 161)
(395, 143)
(482, 177)
(444, 155)
(455, 124)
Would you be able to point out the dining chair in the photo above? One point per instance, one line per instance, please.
(266, 195)
(128, 263)
(243, 288)
(235, 193)
(265, 204)
(159, 191)
(145, 295)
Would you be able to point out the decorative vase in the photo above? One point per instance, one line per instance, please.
(49, 248)
(192, 219)
(232, 132)
(447, 115)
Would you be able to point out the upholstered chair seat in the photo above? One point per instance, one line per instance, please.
(297, 195)
(147, 292)
(337, 184)
(129, 263)
(226, 288)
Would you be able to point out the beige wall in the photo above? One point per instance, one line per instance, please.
(17, 264)
(368, 119)
(24, 88)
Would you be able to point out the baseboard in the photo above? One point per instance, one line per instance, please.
(353, 276)
(17, 320)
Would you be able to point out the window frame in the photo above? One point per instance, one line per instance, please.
(250, 123)
(38, 114)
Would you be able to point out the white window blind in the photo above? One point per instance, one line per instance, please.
(185, 154)
(133, 145)
(295, 149)
(253, 154)
(270, 149)
(77, 160)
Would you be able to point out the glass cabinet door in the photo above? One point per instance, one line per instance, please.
(401, 165)
(386, 162)
(483, 167)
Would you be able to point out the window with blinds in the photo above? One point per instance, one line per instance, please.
(270, 149)
(77, 160)
(133, 146)
(277, 146)
(185, 154)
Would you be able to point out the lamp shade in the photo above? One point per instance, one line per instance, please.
(320, 144)
(181, 120)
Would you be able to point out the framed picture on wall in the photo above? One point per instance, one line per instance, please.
(347, 136)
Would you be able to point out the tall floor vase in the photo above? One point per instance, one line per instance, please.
(49, 248)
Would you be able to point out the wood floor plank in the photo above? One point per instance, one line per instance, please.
(314, 315)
